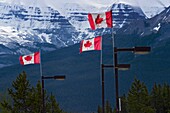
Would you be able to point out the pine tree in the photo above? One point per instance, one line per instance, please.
(156, 98)
(123, 104)
(19, 93)
(166, 97)
(99, 109)
(4, 97)
(108, 107)
(138, 100)
(27, 99)
(52, 106)
(36, 98)
(160, 98)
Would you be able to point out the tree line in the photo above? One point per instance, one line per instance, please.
(139, 100)
(23, 98)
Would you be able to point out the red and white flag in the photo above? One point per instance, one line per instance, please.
(91, 44)
(100, 20)
(30, 59)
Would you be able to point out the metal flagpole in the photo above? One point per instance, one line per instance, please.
(102, 72)
(115, 62)
(115, 68)
(42, 82)
(40, 64)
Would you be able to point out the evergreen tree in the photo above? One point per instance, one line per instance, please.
(36, 98)
(156, 98)
(108, 108)
(160, 98)
(27, 99)
(138, 100)
(2, 98)
(123, 104)
(166, 97)
(52, 106)
(99, 109)
(19, 93)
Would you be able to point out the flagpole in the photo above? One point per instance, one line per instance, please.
(115, 72)
(40, 64)
(101, 55)
(102, 76)
(42, 82)
(113, 41)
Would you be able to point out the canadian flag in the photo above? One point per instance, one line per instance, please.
(30, 59)
(91, 44)
(100, 20)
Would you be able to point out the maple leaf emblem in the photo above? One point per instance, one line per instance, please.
(87, 44)
(28, 58)
(98, 20)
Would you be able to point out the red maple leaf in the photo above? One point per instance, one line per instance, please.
(87, 44)
(98, 20)
(28, 58)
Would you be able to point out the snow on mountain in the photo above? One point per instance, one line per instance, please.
(150, 9)
(124, 14)
(37, 24)
(68, 7)
(149, 26)
(42, 19)
(76, 11)
(76, 15)
(157, 27)
(27, 26)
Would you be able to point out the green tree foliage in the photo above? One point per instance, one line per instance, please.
(138, 100)
(27, 99)
(19, 93)
(108, 107)
(52, 105)
(99, 109)
(2, 98)
(160, 98)
(36, 98)
(156, 98)
(123, 104)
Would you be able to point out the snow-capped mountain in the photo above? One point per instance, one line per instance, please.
(122, 14)
(26, 25)
(150, 8)
(26, 28)
(147, 26)
(48, 25)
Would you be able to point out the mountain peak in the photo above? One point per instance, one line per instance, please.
(154, 7)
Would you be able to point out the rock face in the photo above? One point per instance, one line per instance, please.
(29, 26)
(24, 28)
